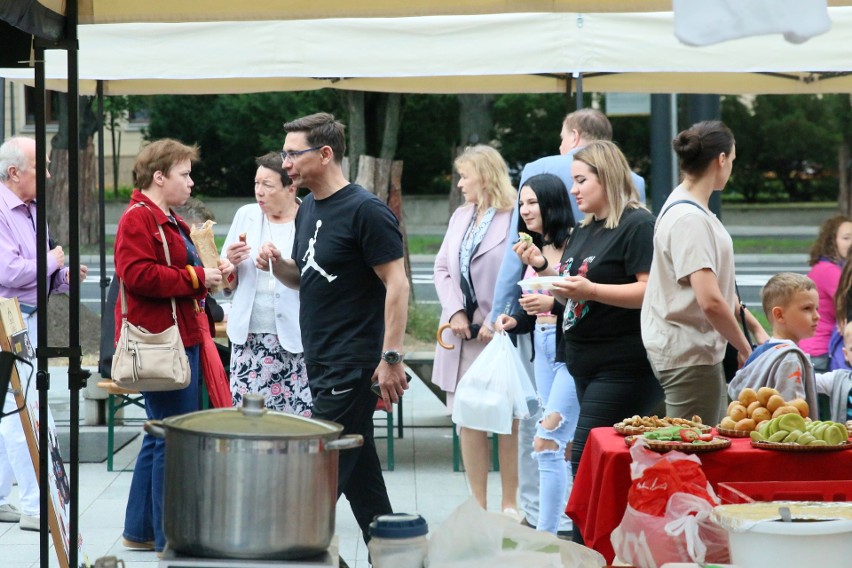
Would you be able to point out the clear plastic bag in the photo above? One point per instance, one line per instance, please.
(494, 390)
(474, 538)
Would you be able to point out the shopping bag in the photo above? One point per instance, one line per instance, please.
(491, 393)
(667, 519)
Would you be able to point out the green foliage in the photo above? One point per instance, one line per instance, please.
(527, 127)
(633, 135)
(423, 321)
(786, 146)
(232, 130)
(757, 312)
(427, 135)
(773, 245)
(122, 193)
(424, 244)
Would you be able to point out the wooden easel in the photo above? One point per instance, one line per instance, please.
(11, 339)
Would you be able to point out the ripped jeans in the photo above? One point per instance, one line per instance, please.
(559, 395)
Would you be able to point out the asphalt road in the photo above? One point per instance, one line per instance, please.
(752, 273)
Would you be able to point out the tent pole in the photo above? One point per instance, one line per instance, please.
(13, 126)
(76, 376)
(2, 110)
(662, 180)
(579, 77)
(102, 198)
(673, 132)
(42, 376)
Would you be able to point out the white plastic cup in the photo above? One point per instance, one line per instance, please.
(398, 540)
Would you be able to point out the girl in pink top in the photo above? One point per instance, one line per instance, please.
(828, 256)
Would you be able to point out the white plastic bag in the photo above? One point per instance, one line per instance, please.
(491, 393)
(474, 538)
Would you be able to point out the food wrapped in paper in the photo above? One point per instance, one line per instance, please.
(205, 244)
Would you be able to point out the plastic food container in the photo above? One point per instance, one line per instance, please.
(398, 541)
(820, 534)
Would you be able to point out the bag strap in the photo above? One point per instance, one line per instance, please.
(168, 262)
(678, 202)
(736, 286)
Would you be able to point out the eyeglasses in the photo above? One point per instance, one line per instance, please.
(296, 153)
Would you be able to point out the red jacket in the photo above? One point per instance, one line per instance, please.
(149, 282)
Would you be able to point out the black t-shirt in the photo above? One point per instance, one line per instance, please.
(600, 337)
(338, 241)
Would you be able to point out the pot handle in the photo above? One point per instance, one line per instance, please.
(347, 442)
(155, 428)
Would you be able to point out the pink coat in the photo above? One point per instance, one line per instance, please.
(484, 267)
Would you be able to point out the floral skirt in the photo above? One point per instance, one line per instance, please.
(262, 366)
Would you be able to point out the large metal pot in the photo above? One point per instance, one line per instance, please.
(250, 483)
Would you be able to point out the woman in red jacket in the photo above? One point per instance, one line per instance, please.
(162, 173)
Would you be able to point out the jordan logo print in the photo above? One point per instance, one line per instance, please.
(310, 262)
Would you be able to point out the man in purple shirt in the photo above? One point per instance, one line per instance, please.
(18, 253)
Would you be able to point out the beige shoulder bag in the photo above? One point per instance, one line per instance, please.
(146, 361)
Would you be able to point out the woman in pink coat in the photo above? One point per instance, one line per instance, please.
(465, 272)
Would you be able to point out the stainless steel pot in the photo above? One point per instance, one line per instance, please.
(250, 483)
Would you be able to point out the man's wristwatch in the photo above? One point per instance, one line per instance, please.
(392, 357)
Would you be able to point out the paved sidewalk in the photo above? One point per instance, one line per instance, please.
(423, 482)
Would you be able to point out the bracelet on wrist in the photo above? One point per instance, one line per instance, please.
(543, 267)
(192, 274)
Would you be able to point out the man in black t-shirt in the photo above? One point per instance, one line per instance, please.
(347, 263)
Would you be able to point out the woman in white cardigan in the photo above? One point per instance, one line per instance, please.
(263, 323)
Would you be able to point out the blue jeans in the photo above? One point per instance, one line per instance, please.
(559, 395)
(143, 520)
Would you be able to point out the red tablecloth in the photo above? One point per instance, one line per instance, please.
(599, 496)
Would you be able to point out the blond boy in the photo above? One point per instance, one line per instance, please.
(790, 302)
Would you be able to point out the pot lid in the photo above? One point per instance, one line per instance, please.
(253, 419)
(398, 525)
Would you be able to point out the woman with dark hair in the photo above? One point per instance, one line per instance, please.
(263, 324)
(691, 305)
(827, 258)
(545, 214)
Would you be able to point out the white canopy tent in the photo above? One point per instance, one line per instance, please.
(114, 11)
(494, 53)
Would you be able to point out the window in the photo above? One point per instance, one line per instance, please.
(51, 106)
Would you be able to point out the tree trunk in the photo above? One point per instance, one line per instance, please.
(384, 179)
(844, 176)
(390, 134)
(57, 185)
(476, 125)
(476, 118)
(357, 130)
